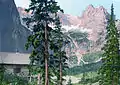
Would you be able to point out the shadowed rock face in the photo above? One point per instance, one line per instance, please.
(12, 34)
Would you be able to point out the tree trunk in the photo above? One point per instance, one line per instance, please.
(46, 55)
(39, 79)
(46, 71)
(60, 71)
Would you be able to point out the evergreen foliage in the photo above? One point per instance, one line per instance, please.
(92, 57)
(110, 69)
(12, 79)
(92, 67)
(46, 40)
(2, 70)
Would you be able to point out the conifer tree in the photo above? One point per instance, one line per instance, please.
(44, 37)
(58, 44)
(110, 70)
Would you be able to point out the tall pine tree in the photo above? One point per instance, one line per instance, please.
(58, 44)
(44, 38)
(110, 69)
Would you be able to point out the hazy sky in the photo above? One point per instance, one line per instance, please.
(76, 7)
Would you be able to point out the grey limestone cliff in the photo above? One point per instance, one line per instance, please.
(13, 34)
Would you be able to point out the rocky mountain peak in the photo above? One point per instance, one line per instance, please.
(92, 11)
(102, 8)
(90, 7)
(93, 18)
